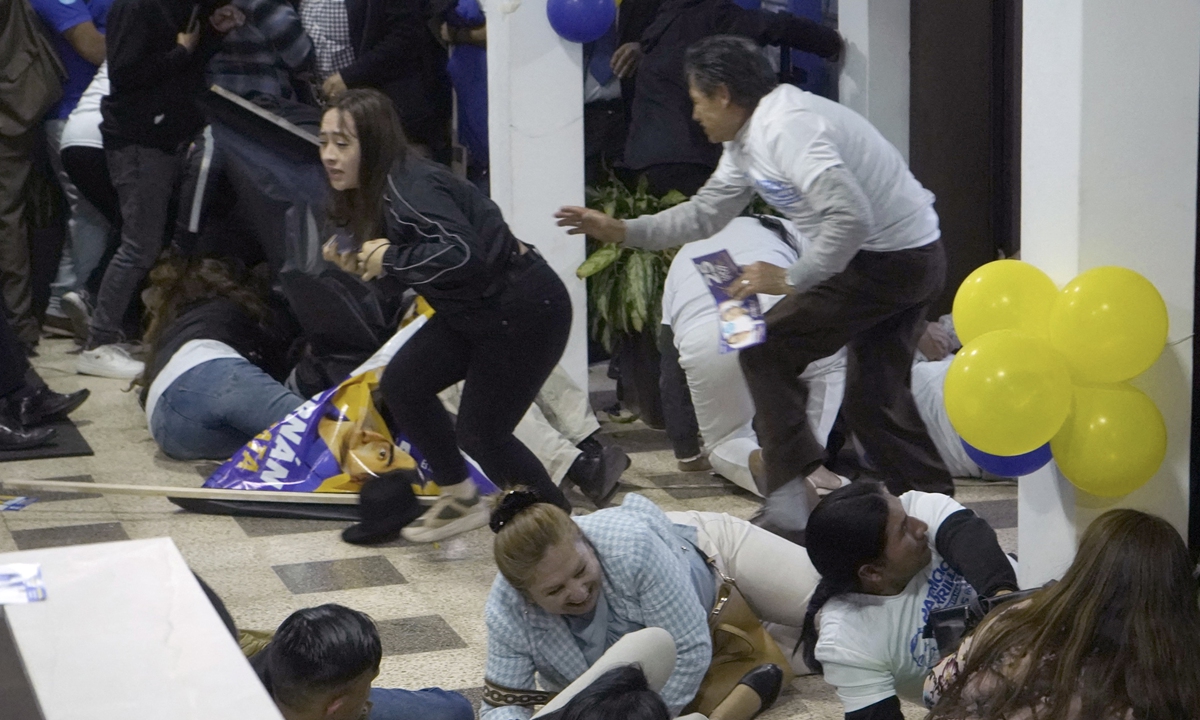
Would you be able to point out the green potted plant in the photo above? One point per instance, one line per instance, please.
(625, 288)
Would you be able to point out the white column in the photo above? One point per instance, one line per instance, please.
(875, 75)
(1108, 177)
(535, 129)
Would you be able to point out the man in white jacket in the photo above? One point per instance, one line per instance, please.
(720, 398)
(875, 265)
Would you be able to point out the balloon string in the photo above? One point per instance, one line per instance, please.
(1173, 343)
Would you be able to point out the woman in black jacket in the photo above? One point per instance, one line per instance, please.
(502, 314)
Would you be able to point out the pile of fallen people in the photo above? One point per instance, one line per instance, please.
(632, 611)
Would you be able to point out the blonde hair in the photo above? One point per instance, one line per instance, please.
(523, 540)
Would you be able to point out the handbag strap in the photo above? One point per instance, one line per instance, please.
(500, 696)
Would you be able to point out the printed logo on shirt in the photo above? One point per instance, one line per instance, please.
(946, 588)
(778, 194)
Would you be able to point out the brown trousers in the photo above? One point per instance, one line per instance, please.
(875, 307)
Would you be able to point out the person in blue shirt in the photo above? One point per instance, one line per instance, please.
(77, 31)
(321, 663)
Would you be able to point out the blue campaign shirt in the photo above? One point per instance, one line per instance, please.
(60, 16)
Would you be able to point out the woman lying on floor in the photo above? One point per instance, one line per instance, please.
(217, 355)
(570, 588)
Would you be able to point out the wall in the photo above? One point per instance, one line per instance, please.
(535, 128)
(1109, 148)
(875, 75)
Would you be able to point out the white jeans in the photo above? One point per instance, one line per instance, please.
(652, 649)
(725, 411)
(560, 418)
(774, 575)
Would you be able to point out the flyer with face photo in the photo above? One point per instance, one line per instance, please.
(740, 321)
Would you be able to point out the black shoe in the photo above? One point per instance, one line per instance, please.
(16, 439)
(386, 504)
(44, 405)
(766, 681)
(597, 471)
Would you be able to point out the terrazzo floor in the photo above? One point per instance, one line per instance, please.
(428, 601)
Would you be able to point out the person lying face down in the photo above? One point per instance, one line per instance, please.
(570, 589)
(320, 665)
(886, 562)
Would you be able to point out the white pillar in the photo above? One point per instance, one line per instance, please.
(1108, 177)
(535, 129)
(875, 75)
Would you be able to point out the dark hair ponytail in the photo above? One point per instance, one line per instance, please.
(846, 530)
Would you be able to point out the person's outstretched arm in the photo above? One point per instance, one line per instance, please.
(780, 28)
(721, 199)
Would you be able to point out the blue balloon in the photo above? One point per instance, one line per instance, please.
(581, 21)
(1009, 465)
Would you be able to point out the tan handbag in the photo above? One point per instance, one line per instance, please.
(740, 643)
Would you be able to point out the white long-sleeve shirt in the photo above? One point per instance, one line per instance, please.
(826, 168)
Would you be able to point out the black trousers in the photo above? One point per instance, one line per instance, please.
(679, 414)
(88, 170)
(875, 308)
(605, 126)
(504, 351)
(14, 367)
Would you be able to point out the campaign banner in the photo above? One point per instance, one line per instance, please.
(334, 442)
(740, 322)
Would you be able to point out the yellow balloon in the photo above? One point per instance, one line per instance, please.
(1110, 324)
(1007, 393)
(1003, 295)
(1113, 441)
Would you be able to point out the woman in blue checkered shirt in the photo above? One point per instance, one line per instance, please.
(570, 587)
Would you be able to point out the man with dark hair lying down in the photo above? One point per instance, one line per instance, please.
(321, 663)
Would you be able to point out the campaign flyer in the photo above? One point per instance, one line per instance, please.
(740, 321)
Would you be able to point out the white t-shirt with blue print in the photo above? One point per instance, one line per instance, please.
(871, 645)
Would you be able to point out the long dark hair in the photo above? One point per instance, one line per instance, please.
(1113, 636)
(846, 530)
(177, 282)
(382, 144)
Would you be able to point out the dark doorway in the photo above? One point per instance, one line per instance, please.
(964, 128)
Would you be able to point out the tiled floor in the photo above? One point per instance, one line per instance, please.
(428, 601)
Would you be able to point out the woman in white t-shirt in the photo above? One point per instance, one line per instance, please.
(885, 563)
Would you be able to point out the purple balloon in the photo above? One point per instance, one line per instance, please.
(1009, 465)
(581, 21)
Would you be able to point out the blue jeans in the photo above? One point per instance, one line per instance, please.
(215, 408)
(427, 704)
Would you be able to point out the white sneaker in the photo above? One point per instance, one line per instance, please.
(110, 361)
(447, 517)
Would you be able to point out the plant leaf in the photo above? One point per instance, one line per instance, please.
(598, 260)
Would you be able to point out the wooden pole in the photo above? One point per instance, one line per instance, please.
(278, 496)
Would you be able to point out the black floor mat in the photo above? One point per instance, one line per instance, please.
(68, 443)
